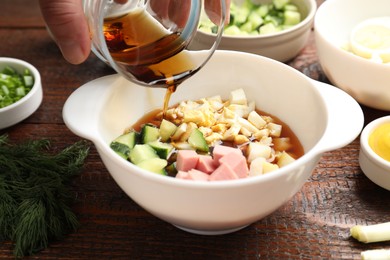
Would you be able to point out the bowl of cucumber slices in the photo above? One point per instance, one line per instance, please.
(278, 29)
(20, 91)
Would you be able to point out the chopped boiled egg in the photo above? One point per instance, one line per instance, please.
(370, 39)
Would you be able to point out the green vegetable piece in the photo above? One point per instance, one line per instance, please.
(129, 139)
(167, 129)
(162, 149)
(291, 17)
(198, 141)
(121, 149)
(155, 165)
(149, 133)
(280, 4)
(142, 152)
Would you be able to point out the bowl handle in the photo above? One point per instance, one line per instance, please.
(78, 108)
(345, 117)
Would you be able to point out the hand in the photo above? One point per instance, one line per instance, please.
(66, 21)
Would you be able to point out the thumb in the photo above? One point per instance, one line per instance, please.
(66, 21)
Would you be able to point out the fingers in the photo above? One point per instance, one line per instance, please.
(213, 10)
(66, 21)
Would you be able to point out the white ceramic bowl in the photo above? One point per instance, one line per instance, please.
(365, 80)
(281, 46)
(23, 108)
(323, 118)
(374, 167)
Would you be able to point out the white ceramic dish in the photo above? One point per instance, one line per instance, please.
(374, 167)
(281, 46)
(23, 108)
(323, 118)
(365, 80)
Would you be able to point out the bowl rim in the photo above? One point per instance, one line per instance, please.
(308, 19)
(364, 141)
(37, 80)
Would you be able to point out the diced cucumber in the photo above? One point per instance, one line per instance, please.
(121, 149)
(198, 141)
(149, 133)
(163, 150)
(155, 165)
(280, 4)
(142, 152)
(129, 139)
(291, 17)
(167, 129)
(268, 28)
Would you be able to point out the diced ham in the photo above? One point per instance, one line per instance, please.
(223, 172)
(197, 175)
(206, 164)
(220, 150)
(237, 163)
(193, 175)
(186, 160)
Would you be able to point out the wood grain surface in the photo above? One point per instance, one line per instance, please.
(314, 224)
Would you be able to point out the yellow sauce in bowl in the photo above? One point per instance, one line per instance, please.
(379, 141)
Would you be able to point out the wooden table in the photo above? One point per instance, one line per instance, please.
(314, 224)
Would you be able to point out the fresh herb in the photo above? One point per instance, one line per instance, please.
(13, 85)
(34, 193)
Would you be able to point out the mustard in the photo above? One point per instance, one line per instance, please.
(379, 141)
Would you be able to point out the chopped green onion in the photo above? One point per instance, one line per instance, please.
(371, 233)
(14, 85)
(376, 254)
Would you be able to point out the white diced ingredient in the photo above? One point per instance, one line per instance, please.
(256, 150)
(238, 97)
(256, 166)
(231, 132)
(275, 129)
(269, 167)
(247, 125)
(285, 159)
(256, 120)
(179, 132)
(239, 110)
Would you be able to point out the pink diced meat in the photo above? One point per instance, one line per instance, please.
(223, 172)
(206, 164)
(194, 175)
(221, 150)
(237, 163)
(186, 160)
(197, 175)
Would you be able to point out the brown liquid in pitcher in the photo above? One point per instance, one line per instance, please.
(142, 47)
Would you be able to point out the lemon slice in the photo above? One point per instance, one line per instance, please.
(370, 39)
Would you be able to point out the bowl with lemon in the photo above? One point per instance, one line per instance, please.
(353, 46)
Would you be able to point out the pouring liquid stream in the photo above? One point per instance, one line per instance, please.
(146, 51)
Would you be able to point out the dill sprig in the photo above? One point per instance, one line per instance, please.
(34, 193)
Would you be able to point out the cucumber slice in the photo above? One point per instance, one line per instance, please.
(124, 143)
(142, 152)
(167, 129)
(121, 149)
(198, 141)
(129, 139)
(162, 149)
(149, 133)
(155, 165)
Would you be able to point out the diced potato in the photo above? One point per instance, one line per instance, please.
(240, 139)
(256, 120)
(231, 132)
(275, 129)
(269, 167)
(256, 150)
(247, 125)
(256, 166)
(285, 159)
(282, 143)
(238, 97)
(261, 133)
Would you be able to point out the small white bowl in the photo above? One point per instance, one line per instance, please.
(281, 46)
(374, 167)
(365, 80)
(23, 108)
(322, 117)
